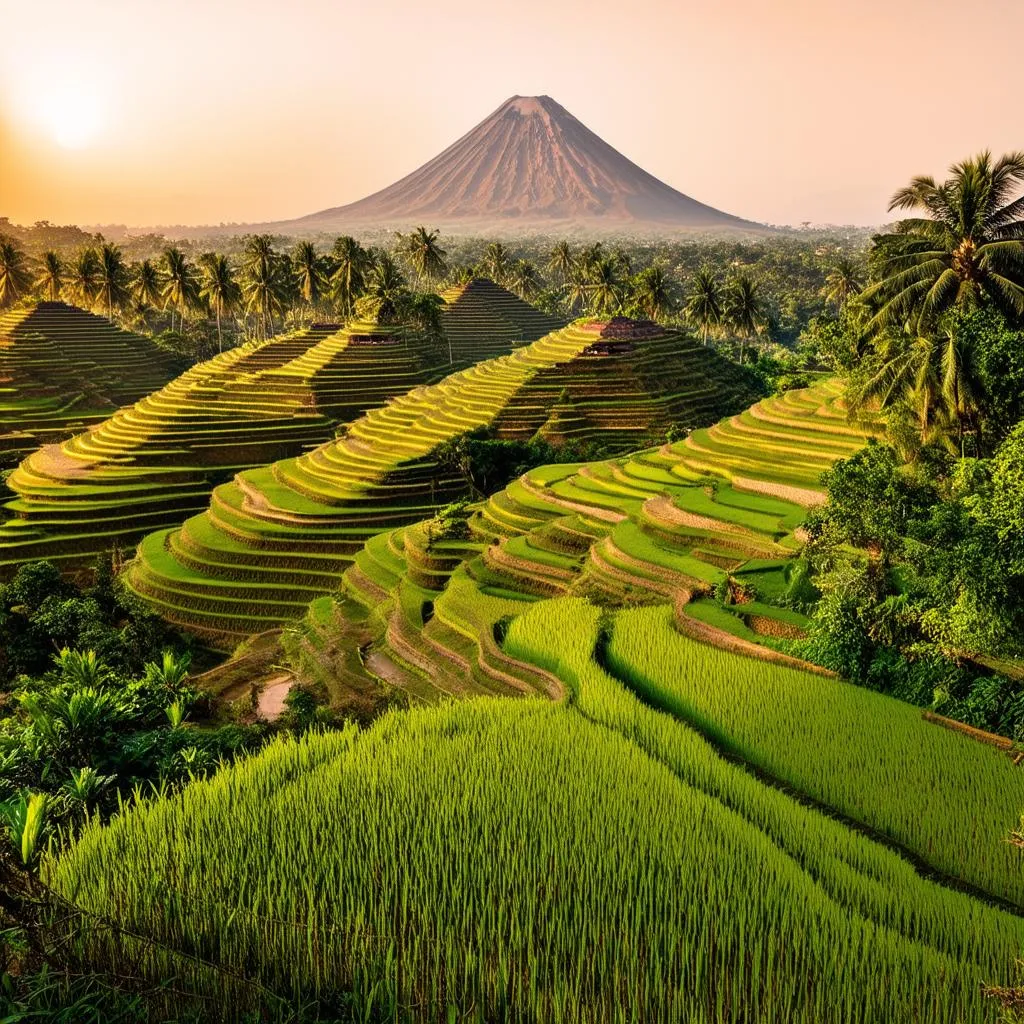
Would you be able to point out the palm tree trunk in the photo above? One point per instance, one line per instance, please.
(220, 340)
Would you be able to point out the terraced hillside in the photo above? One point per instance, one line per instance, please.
(482, 320)
(62, 369)
(707, 830)
(277, 537)
(155, 463)
(666, 524)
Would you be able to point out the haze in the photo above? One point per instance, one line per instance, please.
(194, 113)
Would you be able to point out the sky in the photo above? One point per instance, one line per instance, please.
(156, 112)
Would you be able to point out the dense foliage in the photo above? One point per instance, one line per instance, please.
(749, 295)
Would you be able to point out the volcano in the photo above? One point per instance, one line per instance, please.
(531, 165)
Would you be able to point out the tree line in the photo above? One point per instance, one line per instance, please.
(253, 293)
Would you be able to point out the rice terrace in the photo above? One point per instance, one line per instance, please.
(522, 592)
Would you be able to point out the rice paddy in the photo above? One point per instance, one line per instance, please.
(63, 369)
(660, 525)
(277, 537)
(593, 859)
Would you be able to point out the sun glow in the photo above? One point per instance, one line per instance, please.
(72, 120)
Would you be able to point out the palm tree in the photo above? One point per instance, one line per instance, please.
(652, 291)
(422, 252)
(623, 261)
(15, 279)
(146, 285)
(51, 276)
(385, 290)
(111, 279)
(967, 245)
(560, 262)
(605, 286)
(523, 280)
(82, 281)
(842, 282)
(590, 256)
(423, 311)
(350, 265)
(181, 288)
(935, 375)
(265, 282)
(310, 274)
(577, 286)
(744, 310)
(495, 262)
(705, 302)
(219, 289)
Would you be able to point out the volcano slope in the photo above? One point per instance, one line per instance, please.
(62, 369)
(277, 537)
(529, 166)
(155, 463)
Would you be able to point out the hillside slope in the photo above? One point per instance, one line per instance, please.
(154, 463)
(277, 537)
(62, 369)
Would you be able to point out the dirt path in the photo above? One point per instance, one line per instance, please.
(270, 702)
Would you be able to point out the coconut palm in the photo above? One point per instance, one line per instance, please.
(523, 279)
(112, 280)
(146, 286)
(15, 279)
(744, 309)
(705, 301)
(495, 262)
(385, 290)
(842, 282)
(590, 256)
(424, 255)
(423, 311)
(310, 274)
(577, 285)
(936, 376)
(652, 291)
(350, 266)
(82, 279)
(180, 292)
(965, 246)
(265, 284)
(604, 289)
(51, 276)
(623, 261)
(560, 262)
(219, 289)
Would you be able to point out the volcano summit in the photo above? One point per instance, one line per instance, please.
(530, 165)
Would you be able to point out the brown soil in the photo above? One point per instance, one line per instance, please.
(662, 509)
(1002, 742)
(270, 702)
(798, 495)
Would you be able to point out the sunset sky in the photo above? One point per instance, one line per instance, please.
(201, 111)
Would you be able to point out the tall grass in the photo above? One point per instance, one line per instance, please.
(948, 800)
(495, 860)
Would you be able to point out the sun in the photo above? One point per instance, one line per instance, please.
(68, 112)
(71, 121)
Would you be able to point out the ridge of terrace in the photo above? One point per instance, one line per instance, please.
(154, 463)
(279, 536)
(63, 368)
